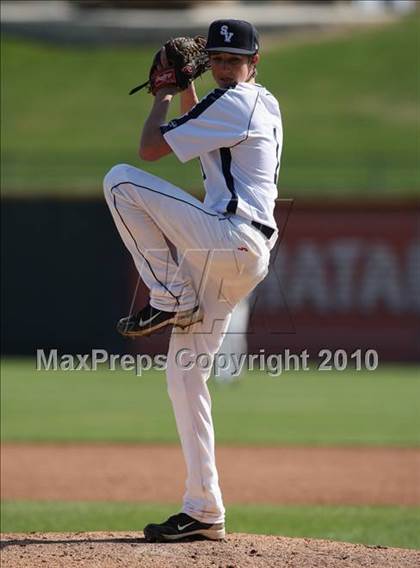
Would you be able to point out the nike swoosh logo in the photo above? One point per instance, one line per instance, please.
(182, 527)
(145, 322)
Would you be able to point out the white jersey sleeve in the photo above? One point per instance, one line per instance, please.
(219, 120)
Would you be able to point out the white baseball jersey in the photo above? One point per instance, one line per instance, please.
(237, 135)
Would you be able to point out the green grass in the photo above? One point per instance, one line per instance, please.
(303, 408)
(350, 107)
(386, 526)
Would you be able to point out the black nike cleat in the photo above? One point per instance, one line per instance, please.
(182, 526)
(150, 319)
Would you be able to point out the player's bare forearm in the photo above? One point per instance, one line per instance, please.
(188, 98)
(152, 143)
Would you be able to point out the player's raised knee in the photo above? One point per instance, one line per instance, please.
(117, 174)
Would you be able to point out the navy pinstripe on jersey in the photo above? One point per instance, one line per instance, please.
(195, 112)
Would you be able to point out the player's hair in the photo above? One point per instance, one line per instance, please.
(254, 71)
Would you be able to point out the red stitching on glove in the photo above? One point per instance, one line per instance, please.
(163, 78)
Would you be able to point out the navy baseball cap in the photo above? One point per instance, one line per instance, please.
(232, 36)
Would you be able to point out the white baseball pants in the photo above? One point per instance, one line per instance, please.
(235, 343)
(220, 260)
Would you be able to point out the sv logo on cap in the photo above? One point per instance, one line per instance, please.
(224, 31)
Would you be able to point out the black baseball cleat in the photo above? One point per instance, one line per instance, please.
(150, 319)
(182, 526)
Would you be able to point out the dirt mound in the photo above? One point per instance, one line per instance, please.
(109, 550)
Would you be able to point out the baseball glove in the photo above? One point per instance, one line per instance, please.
(178, 63)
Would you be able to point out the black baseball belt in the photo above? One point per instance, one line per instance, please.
(266, 231)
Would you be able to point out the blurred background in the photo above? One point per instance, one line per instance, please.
(345, 275)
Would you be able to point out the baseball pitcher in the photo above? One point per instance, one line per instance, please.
(223, 244)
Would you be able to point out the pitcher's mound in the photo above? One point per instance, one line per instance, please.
(109, 549)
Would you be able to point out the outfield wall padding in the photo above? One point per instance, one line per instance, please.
(64, 273)
(344, 275)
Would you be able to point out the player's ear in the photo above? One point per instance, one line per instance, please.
(255, 58)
